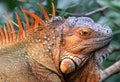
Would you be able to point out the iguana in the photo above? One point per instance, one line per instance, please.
(58, 50)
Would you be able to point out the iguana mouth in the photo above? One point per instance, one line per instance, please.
(100, 42)
(89, 46)
(107, 39)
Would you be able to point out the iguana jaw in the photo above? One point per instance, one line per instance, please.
(81, 51)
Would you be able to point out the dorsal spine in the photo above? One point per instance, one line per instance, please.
(8, 35)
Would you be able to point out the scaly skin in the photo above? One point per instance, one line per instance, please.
(60, 50)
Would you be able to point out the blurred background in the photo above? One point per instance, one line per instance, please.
(101, 11)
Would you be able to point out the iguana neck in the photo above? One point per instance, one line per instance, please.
(43, 47)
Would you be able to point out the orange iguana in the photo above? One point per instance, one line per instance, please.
(58, 50)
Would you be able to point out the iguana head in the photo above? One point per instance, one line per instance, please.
(81, 36)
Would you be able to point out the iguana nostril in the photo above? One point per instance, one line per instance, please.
(107, 31)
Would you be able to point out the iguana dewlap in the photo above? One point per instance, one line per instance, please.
(58, 50)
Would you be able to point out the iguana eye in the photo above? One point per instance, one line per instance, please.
(83, 32)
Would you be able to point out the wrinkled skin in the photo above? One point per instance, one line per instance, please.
(35, 59)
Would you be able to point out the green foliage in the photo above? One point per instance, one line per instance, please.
(109, 16)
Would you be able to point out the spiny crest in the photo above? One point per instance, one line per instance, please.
(8, 35)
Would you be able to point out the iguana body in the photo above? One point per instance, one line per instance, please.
(59, 50)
